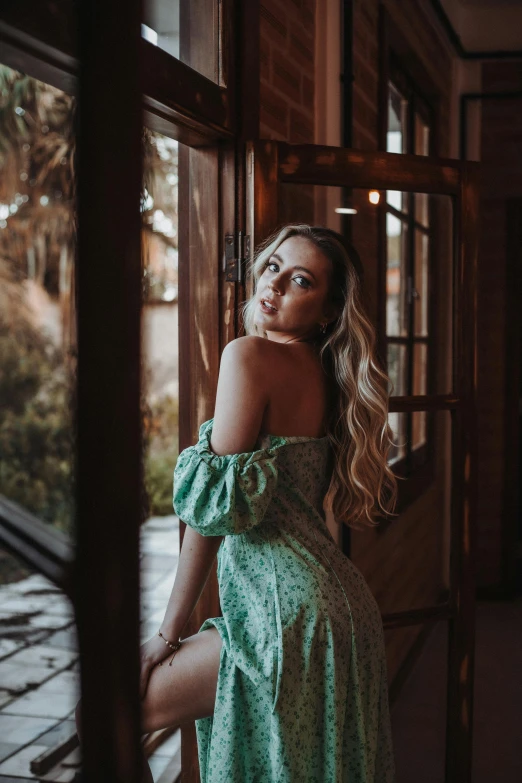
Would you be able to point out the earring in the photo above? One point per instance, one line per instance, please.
(324, 327)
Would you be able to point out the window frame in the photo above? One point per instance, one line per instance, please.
(40, 40)
(397, 64)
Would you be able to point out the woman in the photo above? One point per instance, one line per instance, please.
(290, 683)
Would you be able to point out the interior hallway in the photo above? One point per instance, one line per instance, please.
(418, 715)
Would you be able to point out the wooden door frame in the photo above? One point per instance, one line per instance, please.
(40, 38)
(511, 510)
(271, 163)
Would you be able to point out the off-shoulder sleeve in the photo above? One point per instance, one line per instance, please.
(223, 495)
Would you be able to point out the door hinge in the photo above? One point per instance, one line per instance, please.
(237, 252)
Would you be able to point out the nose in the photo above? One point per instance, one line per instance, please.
(273, 287)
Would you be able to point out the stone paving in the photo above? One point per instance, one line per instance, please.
(39, 669)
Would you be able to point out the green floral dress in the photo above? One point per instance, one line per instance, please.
(302, 692)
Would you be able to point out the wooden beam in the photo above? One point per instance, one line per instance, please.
(109, 445)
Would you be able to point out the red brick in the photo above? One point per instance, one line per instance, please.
(286, 77)
(274, 110)
(308, 97)
(273, 21)
(302, 51)
(301, 127)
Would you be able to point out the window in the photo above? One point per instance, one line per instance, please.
(407, 250)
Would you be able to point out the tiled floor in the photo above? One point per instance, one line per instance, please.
(39, 673)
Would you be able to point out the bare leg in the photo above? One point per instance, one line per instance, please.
(182, 692)
(186, 690)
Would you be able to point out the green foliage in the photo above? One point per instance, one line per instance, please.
(36, 443)
(37, 436)
(160, 453)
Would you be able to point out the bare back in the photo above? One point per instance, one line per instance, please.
(297, 390)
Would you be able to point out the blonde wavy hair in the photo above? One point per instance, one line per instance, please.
(363, 488)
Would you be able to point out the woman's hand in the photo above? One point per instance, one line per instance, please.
(152, 653)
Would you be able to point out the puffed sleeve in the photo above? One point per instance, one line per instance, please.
(223, 495)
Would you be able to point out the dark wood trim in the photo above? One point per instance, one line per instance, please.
(511, 509)
(413, 655)
(37, 38)
(425, 402)
(465, 98)
(246, 109)
(456, 42)
(108, 497)
(461, 644)
(312, 163)
(199, 304)
(440, 611)
(42, 546)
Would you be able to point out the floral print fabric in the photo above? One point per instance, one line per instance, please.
(302, 693)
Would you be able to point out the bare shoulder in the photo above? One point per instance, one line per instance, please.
(241, 378)
(246, 346)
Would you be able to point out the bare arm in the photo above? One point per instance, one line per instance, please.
(235, 429)
(195, 563)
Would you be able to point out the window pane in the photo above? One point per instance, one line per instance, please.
(420, 385)
(396, 277)
(190, 37)
(422, 209)
(422, 137)
(396, 138)
(37, 334)
(399, 200)
(160, 217)
(420, 291)
(397, 369)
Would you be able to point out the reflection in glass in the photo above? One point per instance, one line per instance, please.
(396, 136)
(37, 335)
(161, 25)
(422, 137)
(397, 369)
(420, 385)
(421, 283)
(398, 200)
(396, 277)
(188, 33)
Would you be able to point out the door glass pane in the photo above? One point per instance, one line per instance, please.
(420, 290)
(420, 370)
(400, 201)
(422, 209)
(37, 378)
(422, 136)
(37, 334)
(396, 136)
(396, 277)
(188, 33)
(397, 372)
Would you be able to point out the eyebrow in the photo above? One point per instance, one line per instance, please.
(302, 268)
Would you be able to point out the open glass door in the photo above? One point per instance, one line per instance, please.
(412, 211)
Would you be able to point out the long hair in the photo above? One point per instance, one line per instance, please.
(363, 487)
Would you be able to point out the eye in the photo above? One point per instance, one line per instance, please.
(272, 263)
(307, 282)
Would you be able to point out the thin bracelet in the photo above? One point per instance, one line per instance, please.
(174, 647)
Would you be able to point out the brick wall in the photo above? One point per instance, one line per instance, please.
(287, 70)
(501, 175)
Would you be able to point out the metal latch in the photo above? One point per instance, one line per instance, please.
(237, 250)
